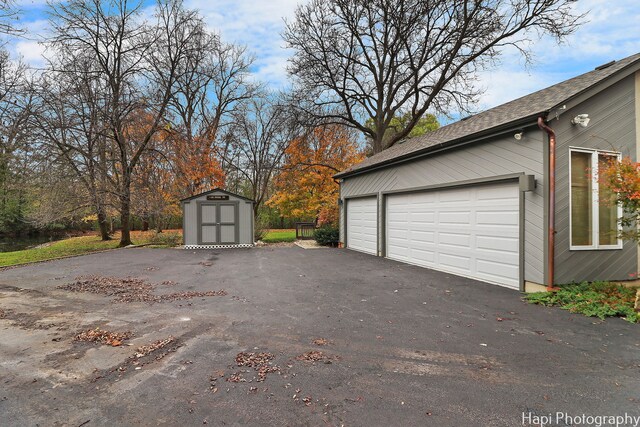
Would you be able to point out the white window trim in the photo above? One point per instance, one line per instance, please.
(595, 211)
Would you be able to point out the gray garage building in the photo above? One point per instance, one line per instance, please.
(217, 219)
(508, 196)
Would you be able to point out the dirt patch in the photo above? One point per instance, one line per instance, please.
(27, 321)
(143, 355)
(320, 341)
(126, 290)
(99, 336)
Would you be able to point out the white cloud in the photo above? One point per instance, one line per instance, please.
(31, 51)
(257, 25)
(609, 33)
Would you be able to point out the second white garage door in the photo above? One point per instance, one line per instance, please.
(362, 224)
(470, 231)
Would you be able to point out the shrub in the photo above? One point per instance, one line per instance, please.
(166, 239)
(597, 299)
(327, 236)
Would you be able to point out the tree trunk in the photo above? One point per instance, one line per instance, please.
(145, 224)
(104, 227)
(125, 214)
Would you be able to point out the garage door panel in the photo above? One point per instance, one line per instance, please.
(428, 256)
(497, 217)
(460, 195)
(455, 239)
(362, 224)
(496, 269)
(471, 231)
(501, 244)
(454, 217)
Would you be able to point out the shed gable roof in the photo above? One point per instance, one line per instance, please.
(528, 106)
(217, 190)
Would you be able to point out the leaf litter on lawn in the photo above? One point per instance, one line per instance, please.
(130, 289)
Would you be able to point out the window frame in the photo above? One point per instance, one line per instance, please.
(595, 211)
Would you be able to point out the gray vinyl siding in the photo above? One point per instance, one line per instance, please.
(612, 128)
(499, 156)
(190, 219)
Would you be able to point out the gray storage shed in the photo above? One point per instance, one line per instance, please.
(217, 219)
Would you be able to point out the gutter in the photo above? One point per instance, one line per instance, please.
(552, 201)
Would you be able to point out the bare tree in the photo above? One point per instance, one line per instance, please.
(140, 63)
(255, 145)
(9, 17)
(377, 59)
(16, 106)
(71, 123)
(211, 85)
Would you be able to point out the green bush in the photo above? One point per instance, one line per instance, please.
(166, 239)
(597, 299)
(327, 236)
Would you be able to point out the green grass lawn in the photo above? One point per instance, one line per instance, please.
(76, 246)
(277, 236)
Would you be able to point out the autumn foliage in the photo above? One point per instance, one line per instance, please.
(622, 178)
(305, 187)
(174, 166)
(197, 168)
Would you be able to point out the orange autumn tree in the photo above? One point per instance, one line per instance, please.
(305, 185)
(174, 165)
(152, 184)
(196, 165)
(622, 180)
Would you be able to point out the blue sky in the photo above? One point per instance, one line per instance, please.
(612, 32)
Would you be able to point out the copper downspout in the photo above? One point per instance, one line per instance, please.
(552, 201)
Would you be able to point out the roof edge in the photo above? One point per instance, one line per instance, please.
(220, 190)
(603, 84)
(449, 145)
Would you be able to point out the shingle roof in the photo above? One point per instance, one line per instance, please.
(514, 111)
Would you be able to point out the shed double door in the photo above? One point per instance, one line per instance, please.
(218, 223)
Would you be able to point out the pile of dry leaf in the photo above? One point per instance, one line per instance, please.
(103, 337)
(313, 356)
(131, 289)
(145, 350)
(260, 362)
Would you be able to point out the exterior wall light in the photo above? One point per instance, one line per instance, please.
(581, 120)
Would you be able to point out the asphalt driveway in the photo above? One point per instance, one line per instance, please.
(403, 345)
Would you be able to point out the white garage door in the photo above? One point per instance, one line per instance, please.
(470, 231)
(362, 225)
